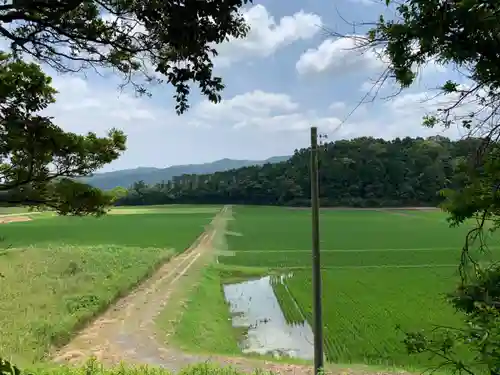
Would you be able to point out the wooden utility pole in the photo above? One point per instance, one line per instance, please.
(316, 263)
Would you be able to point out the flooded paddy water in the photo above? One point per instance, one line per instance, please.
(255, 308)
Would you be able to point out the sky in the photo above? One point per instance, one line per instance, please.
(288, 74)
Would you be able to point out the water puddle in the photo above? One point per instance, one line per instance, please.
(255, 308)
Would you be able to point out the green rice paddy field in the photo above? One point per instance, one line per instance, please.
(380, 270)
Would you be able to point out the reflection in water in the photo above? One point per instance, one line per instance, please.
(254, 306)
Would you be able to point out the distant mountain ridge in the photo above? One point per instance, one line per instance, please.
(149, 175)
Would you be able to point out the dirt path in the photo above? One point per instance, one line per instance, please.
(126, 332)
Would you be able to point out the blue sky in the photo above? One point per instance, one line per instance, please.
(287, 75)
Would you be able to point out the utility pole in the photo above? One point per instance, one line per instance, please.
(316, 263)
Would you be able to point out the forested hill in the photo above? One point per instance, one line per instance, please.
(127, 177)
(362, 172)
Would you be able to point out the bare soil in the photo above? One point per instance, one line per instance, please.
(126, 331)
(14, 219)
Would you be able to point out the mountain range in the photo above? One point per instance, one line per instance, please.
(126, 177)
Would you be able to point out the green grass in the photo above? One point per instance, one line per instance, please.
(61, 272)
(205, 325)
(381, 269)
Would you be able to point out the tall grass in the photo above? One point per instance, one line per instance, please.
(48, 292)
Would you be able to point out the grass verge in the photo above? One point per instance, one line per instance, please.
(49, 292)
(205, 324)
(178, 300)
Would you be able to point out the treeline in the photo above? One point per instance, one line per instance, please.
(363, 172)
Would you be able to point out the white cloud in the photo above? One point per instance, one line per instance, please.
(429, 102)
(251, 104)
(266, 35)
(298, 121)
(402, 116)
(260, 110)
(337, 106)
(373, 86)
(350, 54)
(380, 88)
(81, 107)
(414, 103)
(424, 103)
(342, 54)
